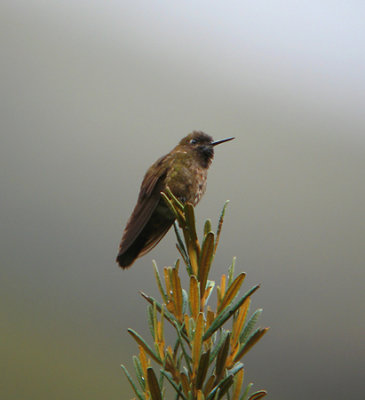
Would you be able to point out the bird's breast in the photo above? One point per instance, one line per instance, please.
(187, 180)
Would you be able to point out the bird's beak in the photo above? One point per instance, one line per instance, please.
(222, 141)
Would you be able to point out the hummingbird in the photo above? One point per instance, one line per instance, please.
(184, 170)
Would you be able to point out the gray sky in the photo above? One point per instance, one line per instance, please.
(93, 93)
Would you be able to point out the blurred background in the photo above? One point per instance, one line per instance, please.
(92, 93)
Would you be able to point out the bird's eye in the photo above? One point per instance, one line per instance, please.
(193, 141)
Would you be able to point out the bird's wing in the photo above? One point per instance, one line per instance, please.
(149, 196)
(154, 239)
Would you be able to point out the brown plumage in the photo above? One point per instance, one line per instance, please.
(184, 171)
